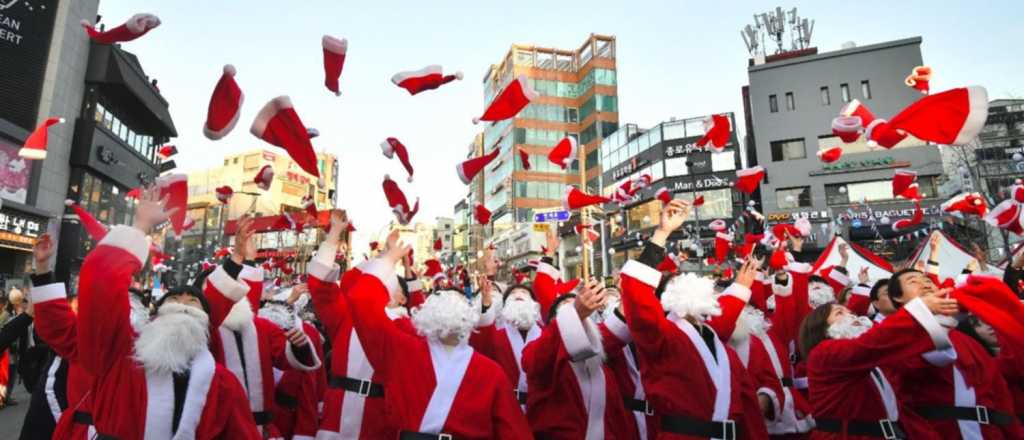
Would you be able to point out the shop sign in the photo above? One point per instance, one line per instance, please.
(688, 183)
(861, 165)
(14, 173)
(785, 217)
(893, 212)
(688, 148)
(628, 168)
(19, 230)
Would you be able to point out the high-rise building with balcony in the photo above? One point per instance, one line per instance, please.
(578, 98)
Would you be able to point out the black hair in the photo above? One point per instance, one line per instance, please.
(554, 306)
(816, 279)
(967, 325)
(185, 290)
(878, 287)
(509, 289)
(895, 288)
(201, 277)
(813, 330)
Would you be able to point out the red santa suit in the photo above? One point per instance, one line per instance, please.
(430, 388)
(852, 395)
(129, 401)
(254, 349)
(297, 396)
(675, 355)
(623, 361)
(503, 343)
(354, 406)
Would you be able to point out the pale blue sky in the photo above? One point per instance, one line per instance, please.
(675, 58)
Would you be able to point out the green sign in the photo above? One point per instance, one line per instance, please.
(867, 163)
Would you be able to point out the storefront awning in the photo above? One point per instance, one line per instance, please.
(120, 76)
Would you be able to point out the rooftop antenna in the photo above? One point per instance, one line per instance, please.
(773, 25)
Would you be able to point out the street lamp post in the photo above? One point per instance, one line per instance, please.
(696, 212)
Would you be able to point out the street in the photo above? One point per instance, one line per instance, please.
(12, 416)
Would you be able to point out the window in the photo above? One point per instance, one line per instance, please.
(773, 104)
(825, 98)
(790, 103)
(724, 161)
(717, 203)
(845, 89)
(676, 166)
(877, 190)
(791, 198)
(788, 149)
(865, 89)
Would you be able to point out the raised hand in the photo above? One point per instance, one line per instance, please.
(396, 250)
(486, 289)
(862, 277)
(339, 224)
(243, 240)
(297, 291)
(941, 304)
(933, 246)
(748, 272)
(151, 210)
(297, 337)
(844, 254)
(591, 298)
(672, 217)
(553, 241)
(42, 253)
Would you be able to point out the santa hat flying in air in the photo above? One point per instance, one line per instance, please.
(919, 79)
(664, 195)
(481, 214)
(165, 152)
(398, 203)
(93, 227)
(748, 179)
(427, 78)
(224, 194)
(1007, 215)
(174, 187)
(34, 147)
(392, 147)
(904, 224)
(279, 125)
(334, 61)
(468, 169)
(264, 177)
(225, 105)
(830, 155)
(516, 95)
(902, 179)
(136, 26)
(524, 157)
(309, 206)
(966, 204)
(576, 199)
(565, 152)
(716, 133)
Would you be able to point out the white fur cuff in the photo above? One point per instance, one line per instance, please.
(838, 277)
(797, 267)
(549, 270)
(47, 292)
(924, 317)
(488, 318)
(250, 273)
(384, 271)
(326, 272)
(776, 406)
(326, 252)
(642, 272)
(130, 240)
(415, 286)
(580, 341)
(617, 327)
(228, 287)
(294, 361)
(861, 290)
(739, 291)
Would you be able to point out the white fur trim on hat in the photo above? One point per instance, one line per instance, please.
(32, 153)
(259, 124)
(749, 171)
(549, 270)
(334, 45)
(402, 76)
(977, 99)
(924, 317)
(47, 292)
(387, 149)
(139, 23)
(527, 90)
(641, 272)
(130, 240)
(739, 291)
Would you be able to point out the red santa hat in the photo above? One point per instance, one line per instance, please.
(93, 227)
(287, 221)
(664, 195)
(334, 61)
(904, 224)
(134, 193)
(136, 26)
(953, 117)
(698, 201)
(207, 266)
(524, 157)
(901, 180)
(587, 233)
(830, 155)
(167, 151)
(398, 203)
(279, 125)
(438, 245)
(717, 225)
(510, 101)
(716, 132)
(434, 270)
(912, 192)
(991, 300)
(468, 169)
(392, 147)
(312, 132)
(1017, 192)
(374, 245)
(264, 177)
(481, 214)
(565, 152)
(853, 118)
(34, 147)
(778, 259)
(225, 103)
(562, 288)
(224, 193)
(576, 199)
(669, 264)
(175, 188)
(1007, 215)
(802, 226)
(748, 179)
(309, 206)
(189, 223)
(222, 252)
(968, 203)
(919, 78)
(427, 78)
(723, 242)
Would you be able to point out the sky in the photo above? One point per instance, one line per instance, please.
(677, 58)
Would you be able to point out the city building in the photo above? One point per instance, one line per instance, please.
(790, 102)
(667, 152)
(998, 162)
(578, 98)
(45, 56)
(289, 186)
(468, 236)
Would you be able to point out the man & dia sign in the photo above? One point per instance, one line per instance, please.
(25, 30)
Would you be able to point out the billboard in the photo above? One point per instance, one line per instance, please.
(26, 27)
(14, 173)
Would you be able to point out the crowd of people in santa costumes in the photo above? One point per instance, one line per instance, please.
(770, 347)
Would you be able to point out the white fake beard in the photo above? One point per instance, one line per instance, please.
(522, 314)
(691, 296)
(751, 322)
(279, 315)
(849, 327)
(445, 314)
(820, 294)
(169, 342)
(240, 315)
(139, 315)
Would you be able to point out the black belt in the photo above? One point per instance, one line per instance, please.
(520, 396)
(410, 435)
(262, 417)
(637, 405)
(884, 428)
(360, 387)
(286, 401)
(683, 425)
(787, 382)
(978, 414)
(84, 418)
